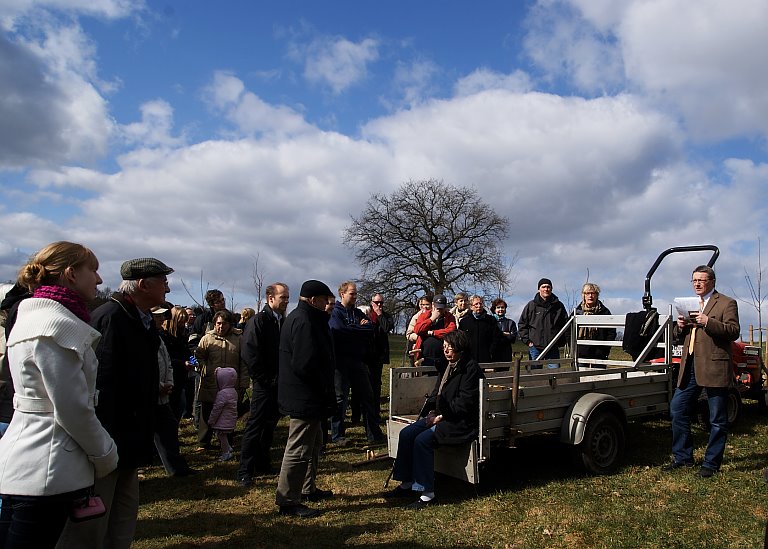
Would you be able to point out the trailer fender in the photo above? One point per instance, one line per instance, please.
(575, 422)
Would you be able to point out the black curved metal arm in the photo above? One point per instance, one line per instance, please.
(647, 298)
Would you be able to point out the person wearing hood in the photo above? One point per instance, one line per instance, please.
(223, 416)
(541, 319)
(591, 305)
(485, 337)
(218, 348)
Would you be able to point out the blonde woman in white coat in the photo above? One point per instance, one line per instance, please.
(55, 445)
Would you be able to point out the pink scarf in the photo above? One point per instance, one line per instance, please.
(67, 297)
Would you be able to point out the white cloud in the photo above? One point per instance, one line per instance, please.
(674, 51)
(155, 126)
(486, 79)
(339, 63)
(250, 114)
(682, 51)
(563, 44)
(414, 80)
(53, 66)
(12, 10)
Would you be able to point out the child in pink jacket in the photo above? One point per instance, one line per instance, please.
(224, 413)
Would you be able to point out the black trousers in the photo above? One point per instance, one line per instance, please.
(35, 522)
(259, 431)
(167, 440)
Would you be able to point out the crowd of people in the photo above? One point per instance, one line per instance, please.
(88, 398)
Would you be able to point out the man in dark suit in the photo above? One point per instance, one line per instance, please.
(260, 351)
(706, 363)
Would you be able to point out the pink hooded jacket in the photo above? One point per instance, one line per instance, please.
(224, 413)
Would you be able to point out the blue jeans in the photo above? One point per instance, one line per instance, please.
(681, 408)
(534, 352)
(415, 460)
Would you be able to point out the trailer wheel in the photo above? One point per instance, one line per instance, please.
(734, 408)
(603, 444)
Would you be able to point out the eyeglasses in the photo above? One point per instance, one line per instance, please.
(700, 280)
(377, 302)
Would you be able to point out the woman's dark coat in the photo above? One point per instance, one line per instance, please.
(459, 403)
(485, 337)
(599, 334)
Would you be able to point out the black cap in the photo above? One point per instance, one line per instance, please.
(144, 267)
(544, 281)
(312, 288)
(439, 301)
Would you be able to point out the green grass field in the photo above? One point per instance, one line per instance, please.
(530, 496)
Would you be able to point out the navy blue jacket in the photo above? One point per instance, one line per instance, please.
(352, 340)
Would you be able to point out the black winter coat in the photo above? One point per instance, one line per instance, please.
(541, 320)
(505, 351)
(10, 305)
(485, 337)
(600, 334)
(260, 347)
(381, 328)
(459, 403)
(127, 380)
(305, 382)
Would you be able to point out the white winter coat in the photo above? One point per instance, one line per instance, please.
(54, 444)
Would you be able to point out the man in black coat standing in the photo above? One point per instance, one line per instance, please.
(259, 349)
(541, 320)
(305, 393)
(128, 385)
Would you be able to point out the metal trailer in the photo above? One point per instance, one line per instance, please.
(586, 402)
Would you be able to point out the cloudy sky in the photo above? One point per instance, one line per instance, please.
(206, 134)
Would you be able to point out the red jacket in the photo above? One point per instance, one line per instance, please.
(424, 325)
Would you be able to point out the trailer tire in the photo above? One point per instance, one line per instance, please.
(734, 408)
(603, 445)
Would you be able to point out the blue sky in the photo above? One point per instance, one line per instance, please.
(206, 134)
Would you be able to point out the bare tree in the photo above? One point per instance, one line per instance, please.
(429, 236)
(755, 288)
(257, 275)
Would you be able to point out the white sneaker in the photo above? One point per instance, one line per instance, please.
(225, 456)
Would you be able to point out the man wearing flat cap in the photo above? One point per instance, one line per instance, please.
(305, 393)
(127, 386)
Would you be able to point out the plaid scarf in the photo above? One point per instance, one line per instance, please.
(588, 333)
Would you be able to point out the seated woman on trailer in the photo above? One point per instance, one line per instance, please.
(449, 417)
